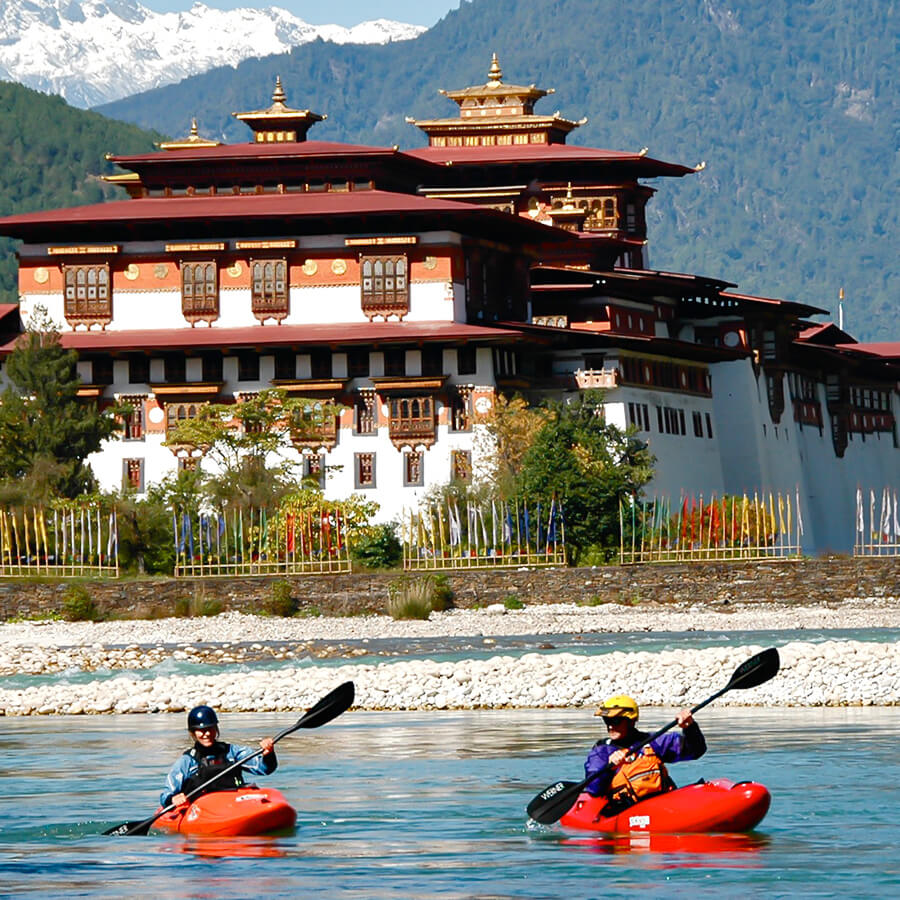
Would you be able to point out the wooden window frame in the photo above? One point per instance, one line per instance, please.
(87, 294)
(365, 413)
(202, 306)
(412, 420)
(384, 285)
(270, 288)
(364, 471)
(413, 469)
(461, 466)
(133, 474)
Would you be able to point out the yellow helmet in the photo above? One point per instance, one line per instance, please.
(620, 705)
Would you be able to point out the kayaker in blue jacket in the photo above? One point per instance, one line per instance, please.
(208, 756)
(625, 778)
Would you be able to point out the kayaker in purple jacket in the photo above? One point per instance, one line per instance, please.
(209, 756)
(625, 778)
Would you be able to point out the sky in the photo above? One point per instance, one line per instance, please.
(337, 12)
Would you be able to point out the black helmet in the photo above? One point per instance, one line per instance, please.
(202, 717)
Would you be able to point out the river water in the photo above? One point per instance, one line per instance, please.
(431, 805)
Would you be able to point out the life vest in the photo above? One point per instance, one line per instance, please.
(209, 765)
(639, 776)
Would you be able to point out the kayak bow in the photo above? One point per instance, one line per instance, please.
(246, 811)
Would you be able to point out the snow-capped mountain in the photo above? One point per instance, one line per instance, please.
(97, 51)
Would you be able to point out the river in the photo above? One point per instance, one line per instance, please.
(431, 805)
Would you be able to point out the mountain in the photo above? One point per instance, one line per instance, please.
(792, 103)
(53, 156)
(64, 47)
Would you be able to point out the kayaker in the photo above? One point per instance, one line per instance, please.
(626, 778)
(199, 764)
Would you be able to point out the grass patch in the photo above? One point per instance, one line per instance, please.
(417, 596)
(513, 602)
(280, 602)
(78, 605)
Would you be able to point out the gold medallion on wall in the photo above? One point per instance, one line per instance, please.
(430, 262)
(235, 270)
(310, 267)
(131, 272)
(41, 275)
(160, 270)
(338, 266)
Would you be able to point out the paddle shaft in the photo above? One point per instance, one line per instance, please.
(330, 706)
(555, 801)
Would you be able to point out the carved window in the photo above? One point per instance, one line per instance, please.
(364, 412)
(314, 469)
(413, 469)
(412, 420)
(269, 288)
(199, 291)
(364, 470)
(133, 421)
(88, 295)
(461, 409)
(312, 428)
(176, 413)
(461, 465)
(384, 285)
(133, 475)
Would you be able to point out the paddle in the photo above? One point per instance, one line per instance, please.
(552, 803)
(328, 708)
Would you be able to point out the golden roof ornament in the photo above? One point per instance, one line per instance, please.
(279, 123)
(192, 141)
(495, 76)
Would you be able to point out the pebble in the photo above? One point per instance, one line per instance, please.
(824, 673)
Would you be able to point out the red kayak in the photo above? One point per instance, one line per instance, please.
(246, 811)
(708, 806)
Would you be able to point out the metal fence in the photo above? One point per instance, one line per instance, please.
(720, 529)
(234, 543)
(75, 542)
(877, 524)
(483, 535)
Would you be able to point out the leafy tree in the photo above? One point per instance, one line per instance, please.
(510, 428)
(46, 431)
(248, 443)
(591, 466)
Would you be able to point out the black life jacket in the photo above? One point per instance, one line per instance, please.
(211, 763)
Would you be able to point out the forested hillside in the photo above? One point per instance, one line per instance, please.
(792, 103)
(53, 156)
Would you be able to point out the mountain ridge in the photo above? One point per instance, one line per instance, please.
(61, 46)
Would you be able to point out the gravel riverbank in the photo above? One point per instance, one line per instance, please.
(813, 673)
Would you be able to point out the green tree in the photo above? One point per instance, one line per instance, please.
(248, 443)
(590, 466)
(46, 431)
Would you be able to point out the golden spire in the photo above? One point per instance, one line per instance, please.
(192, 141)
(279, 98)
(495, 76)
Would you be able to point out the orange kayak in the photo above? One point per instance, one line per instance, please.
(718, 805)
(246, 811)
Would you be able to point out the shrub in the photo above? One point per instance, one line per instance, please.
(309, 612)
(596, 600)
(379, 549)
(410, 597)
(513, 602)
(78, 605)
(280, 602)
(198, 604)
(442, 593)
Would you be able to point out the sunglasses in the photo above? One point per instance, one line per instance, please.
(609, 721)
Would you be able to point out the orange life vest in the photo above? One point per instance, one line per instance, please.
(640, 776)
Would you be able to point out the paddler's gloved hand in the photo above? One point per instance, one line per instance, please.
(618, 757)
(179, 799)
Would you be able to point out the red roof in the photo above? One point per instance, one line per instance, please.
(884, 349)
(337, 334)
(311, 207)
(285, 150)
(537, 153)
(801, 308)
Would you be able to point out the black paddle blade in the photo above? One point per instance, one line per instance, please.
(756, 670)
(552, 803)
(329, 707)
(129, 828)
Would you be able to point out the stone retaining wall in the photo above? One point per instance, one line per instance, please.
(802, 581)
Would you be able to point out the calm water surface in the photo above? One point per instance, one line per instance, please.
(432, 805)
